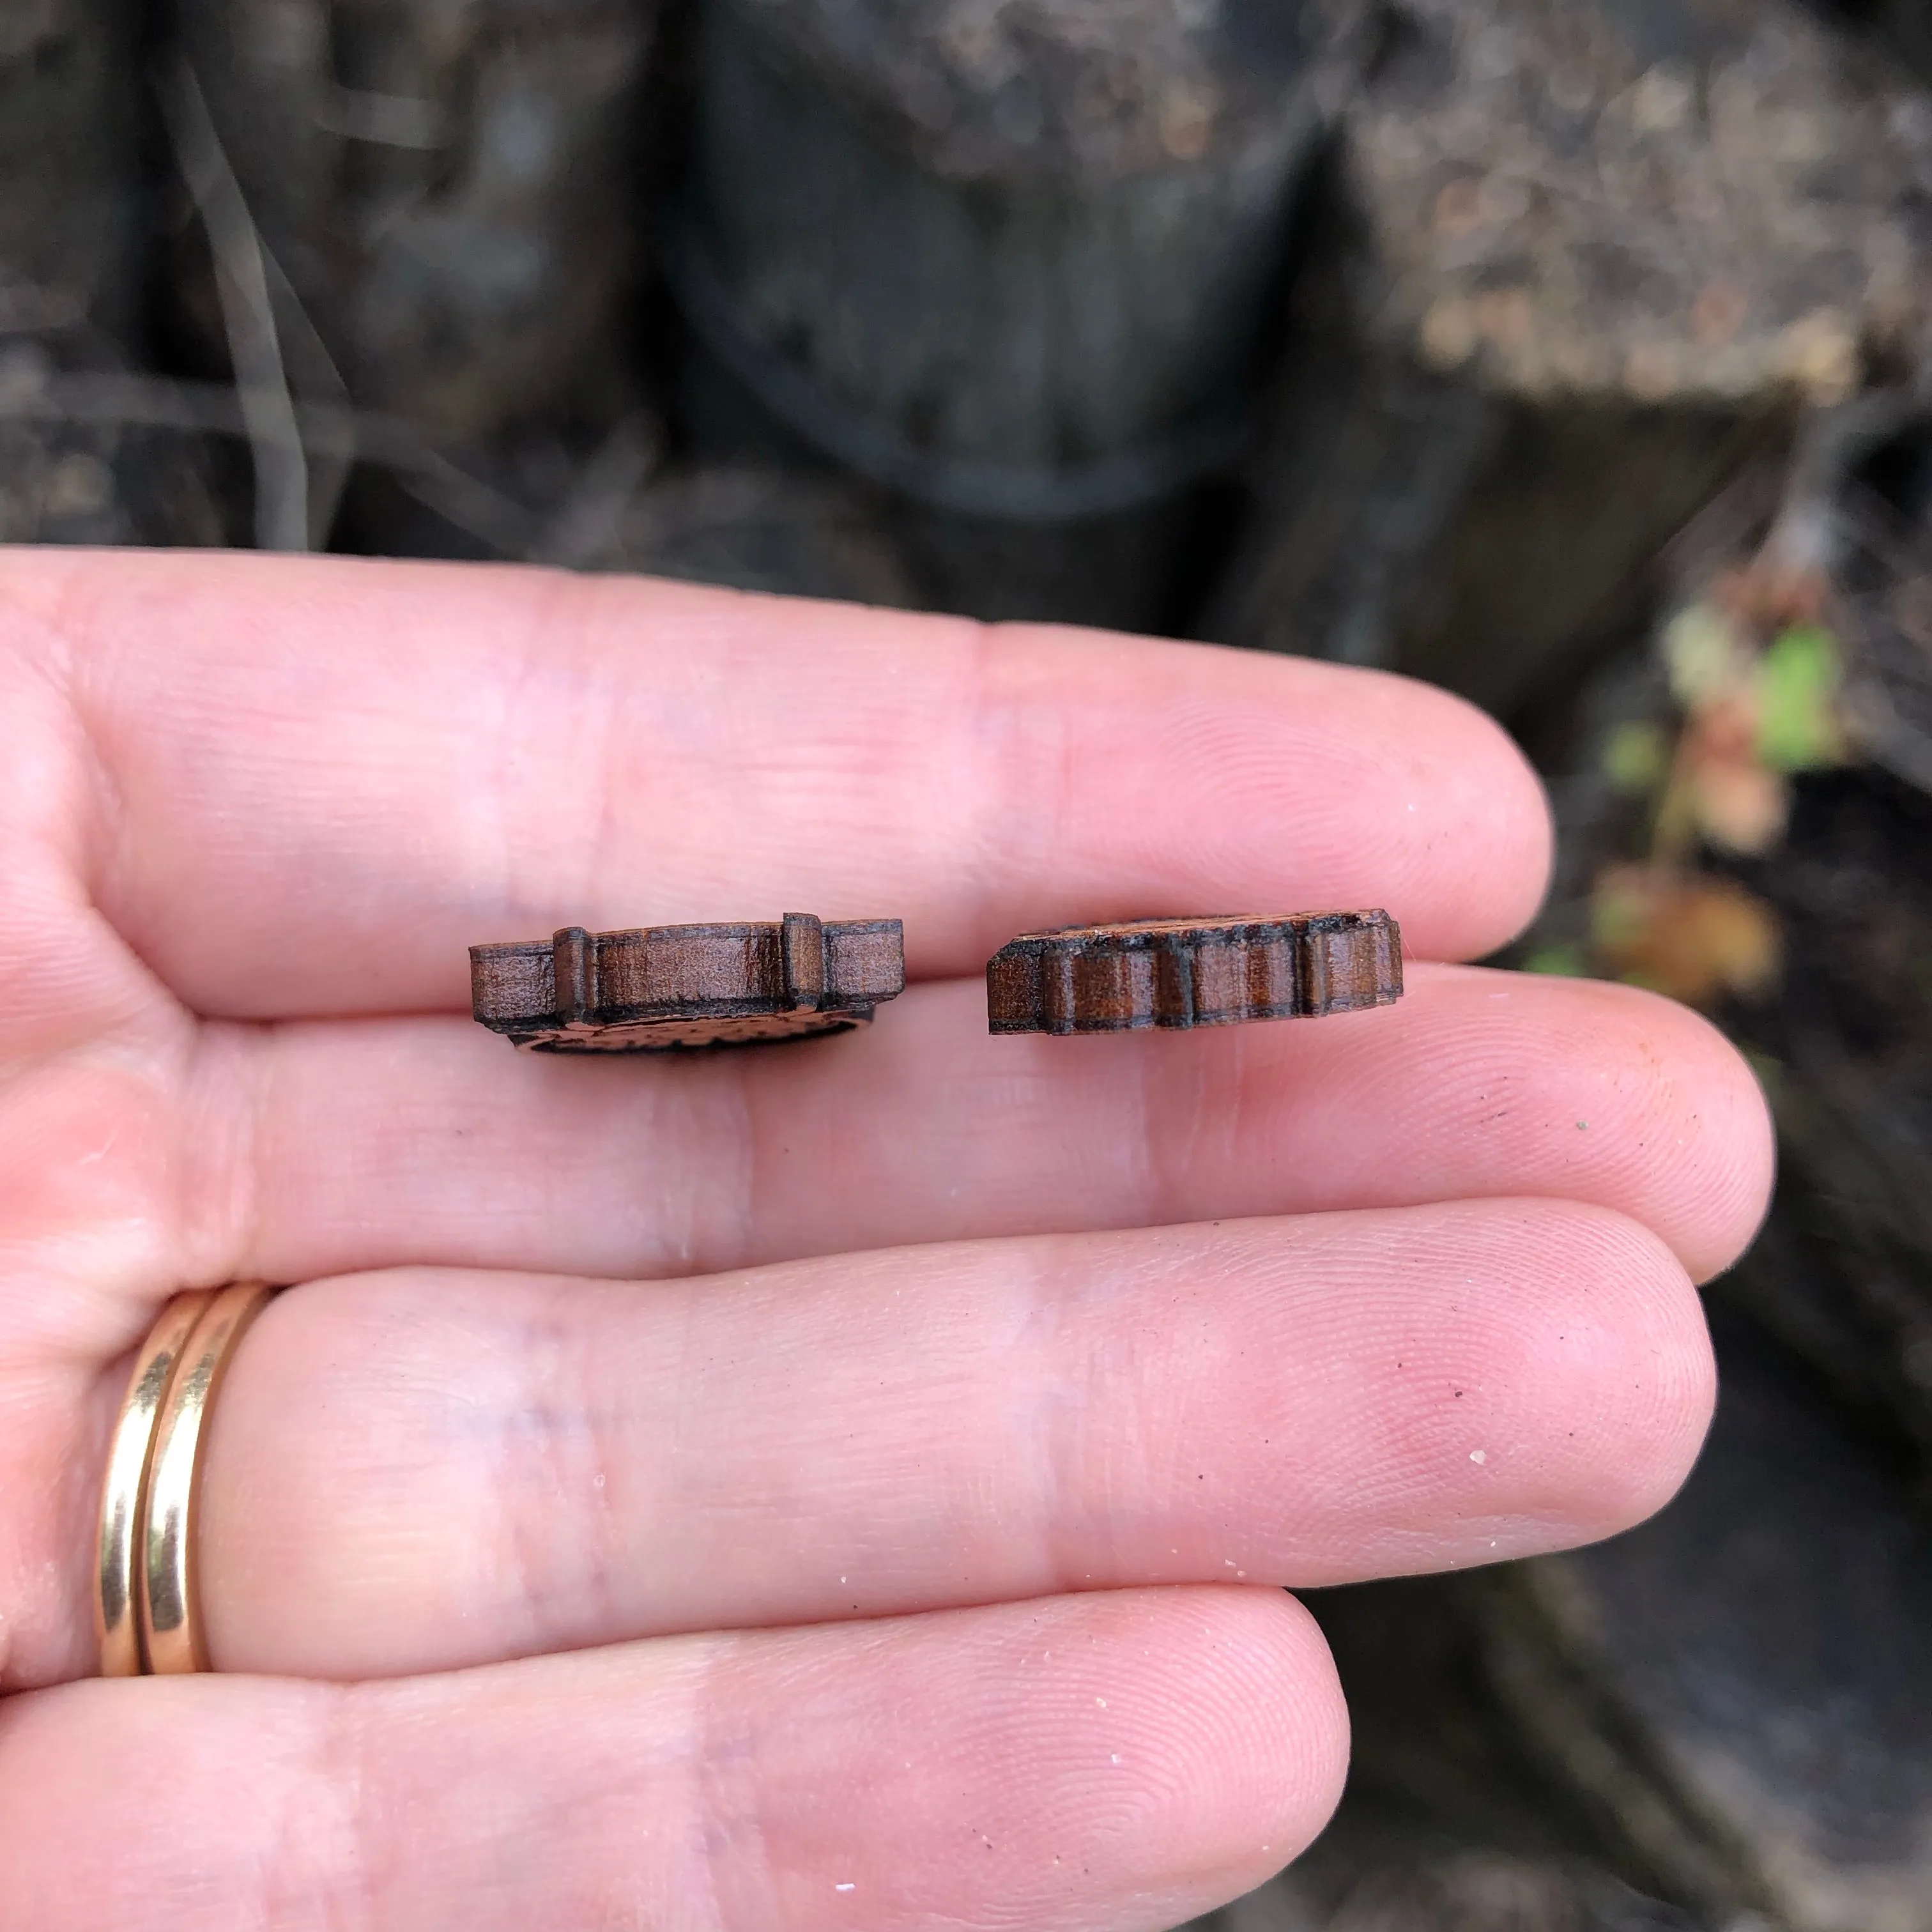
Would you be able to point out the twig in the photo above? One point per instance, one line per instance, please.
(587, 521)
(248, 316)
(1885, 735)
(387, 120)
(1809, 532)
(328, 474)
(214, 409)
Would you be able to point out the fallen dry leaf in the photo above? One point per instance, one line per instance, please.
(1692, 935)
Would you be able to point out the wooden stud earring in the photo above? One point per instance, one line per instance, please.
(1179, 973)
(653, 989)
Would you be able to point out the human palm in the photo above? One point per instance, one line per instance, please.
(845, 1484)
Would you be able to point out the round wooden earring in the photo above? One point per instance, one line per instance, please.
(1182, 973)
(653, 989)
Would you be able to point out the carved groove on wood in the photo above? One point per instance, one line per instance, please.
(651, 989)
(1176, 973)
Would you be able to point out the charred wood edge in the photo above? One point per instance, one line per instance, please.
(530, 986)
(1016, 493)
(215, 409)
(1338, 962)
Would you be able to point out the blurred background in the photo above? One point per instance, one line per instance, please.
(1574, 354)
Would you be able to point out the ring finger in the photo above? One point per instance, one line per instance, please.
(415, 1472)
(331, 1148)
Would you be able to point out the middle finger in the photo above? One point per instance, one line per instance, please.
(326, 1147)
(413, 1473)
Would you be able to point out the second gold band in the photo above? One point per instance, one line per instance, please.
(147, 1602)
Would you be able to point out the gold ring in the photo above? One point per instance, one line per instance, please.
(123, 1497)
(172, 1639)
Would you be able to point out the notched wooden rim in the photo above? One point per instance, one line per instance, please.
(1175, 974)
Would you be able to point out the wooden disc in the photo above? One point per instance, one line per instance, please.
(652, 988)
(1182, 973)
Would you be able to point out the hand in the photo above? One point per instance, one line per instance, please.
(843, 1485)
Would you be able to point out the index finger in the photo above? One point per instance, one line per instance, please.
(321, 780)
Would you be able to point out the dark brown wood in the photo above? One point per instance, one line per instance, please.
(1176, 973)
(653, 989)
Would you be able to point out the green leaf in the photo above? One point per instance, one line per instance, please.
(1566, 962)
(1637, 755)
(1619, 917)
(1797, 681)
(1701, 652)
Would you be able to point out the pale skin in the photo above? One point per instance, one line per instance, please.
(847, 1485)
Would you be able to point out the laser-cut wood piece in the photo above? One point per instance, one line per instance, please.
(653, 989)
(1182, 973)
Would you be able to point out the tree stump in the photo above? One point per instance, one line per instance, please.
(1010, 262)
(1578, 261)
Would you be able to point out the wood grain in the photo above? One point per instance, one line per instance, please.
(654, 988)
(1176, 973)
